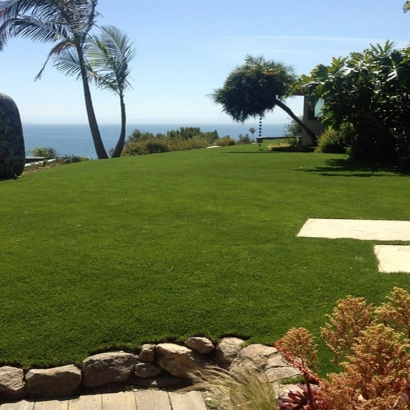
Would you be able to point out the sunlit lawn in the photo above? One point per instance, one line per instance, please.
(112, 254)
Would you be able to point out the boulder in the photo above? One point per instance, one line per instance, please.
(177, 360)
(12, 385)
(275, 374)
(147, 353)
(256, 355)
(146, 370)
(106, 368)
(56, 382)
(227, 351)
(200, 344)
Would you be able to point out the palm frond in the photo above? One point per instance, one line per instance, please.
(109, 56)
(55, 51)
(406, 6)
(68, 63)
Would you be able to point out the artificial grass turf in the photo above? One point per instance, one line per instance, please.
(112, 254)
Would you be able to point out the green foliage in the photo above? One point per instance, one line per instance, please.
(225, 141)
(369, 91)
(245, 139)
(141, 143)
(293, 130)
(46, 152)
(137, 135)
(293, 133)
(332, 141)
(254, 88)
(193, 133)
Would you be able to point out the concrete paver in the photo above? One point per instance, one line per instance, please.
(356, 229)
(132, 400)
(393, 258)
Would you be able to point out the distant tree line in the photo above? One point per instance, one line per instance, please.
(185, 138)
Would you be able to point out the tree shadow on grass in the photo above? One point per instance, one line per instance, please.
(348, 168)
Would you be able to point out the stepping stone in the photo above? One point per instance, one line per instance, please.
(393, 258)
(356, 229)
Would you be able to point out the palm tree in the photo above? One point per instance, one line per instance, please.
(107, 58)
(66, 24)
(255, 87)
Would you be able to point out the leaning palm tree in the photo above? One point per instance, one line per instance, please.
(107, 59)
(66, 24)
(256, 87)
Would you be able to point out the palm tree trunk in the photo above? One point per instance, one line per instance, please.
(92, 120)
(294, 117)
(121, 140)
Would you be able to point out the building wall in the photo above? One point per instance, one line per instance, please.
(312, 121)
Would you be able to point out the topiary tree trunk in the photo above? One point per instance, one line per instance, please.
(12, 152)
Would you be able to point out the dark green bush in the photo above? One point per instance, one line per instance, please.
(245, 139)
(144, 147)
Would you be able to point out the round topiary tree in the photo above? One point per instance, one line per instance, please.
(12, 153)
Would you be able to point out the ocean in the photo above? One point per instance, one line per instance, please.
(75, 139)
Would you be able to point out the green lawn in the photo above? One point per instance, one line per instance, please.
(112, 254)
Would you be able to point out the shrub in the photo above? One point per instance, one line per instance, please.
(240, 388)
(46, 152)
(375, 344)
(245, 139)
(349, 318)
(142, 143)
(225, 141)
(293, 133)
(144, 147)
(332, 141)
(71, 159)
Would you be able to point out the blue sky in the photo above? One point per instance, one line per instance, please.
(186, 49)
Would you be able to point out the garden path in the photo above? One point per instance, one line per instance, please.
(392, 258)
(131, 400)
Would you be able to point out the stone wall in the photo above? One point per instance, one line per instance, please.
(163, 365)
